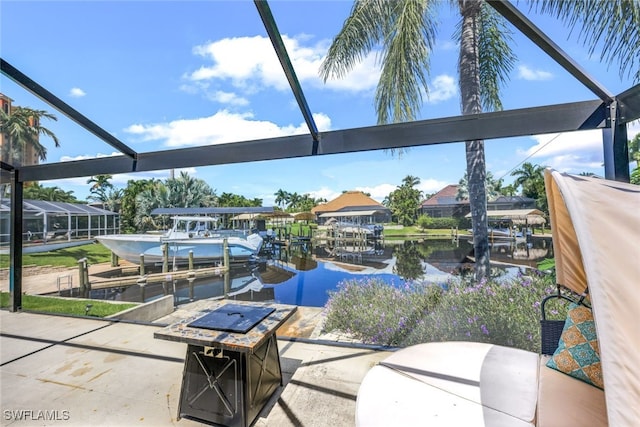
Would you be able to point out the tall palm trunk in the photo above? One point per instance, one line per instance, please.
(470, 94)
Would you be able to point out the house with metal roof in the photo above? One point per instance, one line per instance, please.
(353, 206)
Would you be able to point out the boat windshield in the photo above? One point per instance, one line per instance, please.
(193, 225)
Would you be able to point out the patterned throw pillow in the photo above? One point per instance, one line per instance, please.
(578, 353)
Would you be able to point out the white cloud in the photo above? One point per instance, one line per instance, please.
(633, 129)
(447, 45)
(88, 156)
(527, 73)
(324, 193)
(221, 128)
(250, 65)
(378, 192)
(569, 152)
(442, 88)
(76, 92)
(574, 163)
(430, 185)
(562, 143)
(229, 98)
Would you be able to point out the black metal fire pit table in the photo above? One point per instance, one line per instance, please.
(232, 366)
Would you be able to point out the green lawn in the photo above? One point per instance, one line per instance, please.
(414, 231)
(74, 307)
(95, 254)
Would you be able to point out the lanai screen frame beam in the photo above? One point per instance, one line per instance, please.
(501, 124)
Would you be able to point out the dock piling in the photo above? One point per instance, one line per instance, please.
(165, 257)
(114, 260)
(141, 265)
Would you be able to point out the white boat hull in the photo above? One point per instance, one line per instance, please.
(132, 247)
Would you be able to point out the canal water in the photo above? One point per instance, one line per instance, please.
(304, 275)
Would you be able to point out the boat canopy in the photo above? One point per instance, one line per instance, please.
(213, 210)
(517, 216)
(196, 218)
(596, 240)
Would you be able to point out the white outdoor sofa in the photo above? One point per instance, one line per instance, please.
(596, 238)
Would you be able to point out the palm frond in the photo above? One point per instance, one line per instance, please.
(497, 59)
(361, 31)
(611, 26)
(495, 56)
(408, 41)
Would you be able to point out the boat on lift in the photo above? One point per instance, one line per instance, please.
(197, 234)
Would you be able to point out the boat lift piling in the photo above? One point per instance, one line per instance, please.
(165, 257)
(143, 278)
(83, 271)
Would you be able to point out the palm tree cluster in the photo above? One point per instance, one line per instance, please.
(35, 191)
(294, 202)
(183, 191)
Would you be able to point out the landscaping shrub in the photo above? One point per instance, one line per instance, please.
(445, 222)
(504, 313)
(375, 312)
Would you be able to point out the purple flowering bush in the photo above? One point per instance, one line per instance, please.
(375, 312)
(498, 312)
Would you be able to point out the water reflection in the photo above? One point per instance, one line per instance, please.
(303, 274)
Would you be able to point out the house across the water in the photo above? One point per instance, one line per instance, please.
(352, 206)
(446, 204)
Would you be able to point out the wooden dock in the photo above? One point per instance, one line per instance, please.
(143, 278)
(162, 277)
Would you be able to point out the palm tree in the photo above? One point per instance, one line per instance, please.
(531, 178)
(406, 31)
(22, 129)
(493, 187)
(113, 199)
(100, 181)
(282, 198)
(99, 186)
(293, 202)
(528, 177)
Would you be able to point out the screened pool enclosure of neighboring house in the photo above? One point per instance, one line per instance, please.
(46, 222)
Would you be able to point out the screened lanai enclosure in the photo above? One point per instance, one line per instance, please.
(604, 110)
(46, 222)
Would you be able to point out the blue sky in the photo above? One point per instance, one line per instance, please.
(162, 75)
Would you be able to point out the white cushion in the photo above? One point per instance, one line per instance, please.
(564, 401)
(495, 385)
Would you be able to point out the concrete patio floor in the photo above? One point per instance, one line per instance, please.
(64, 371)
